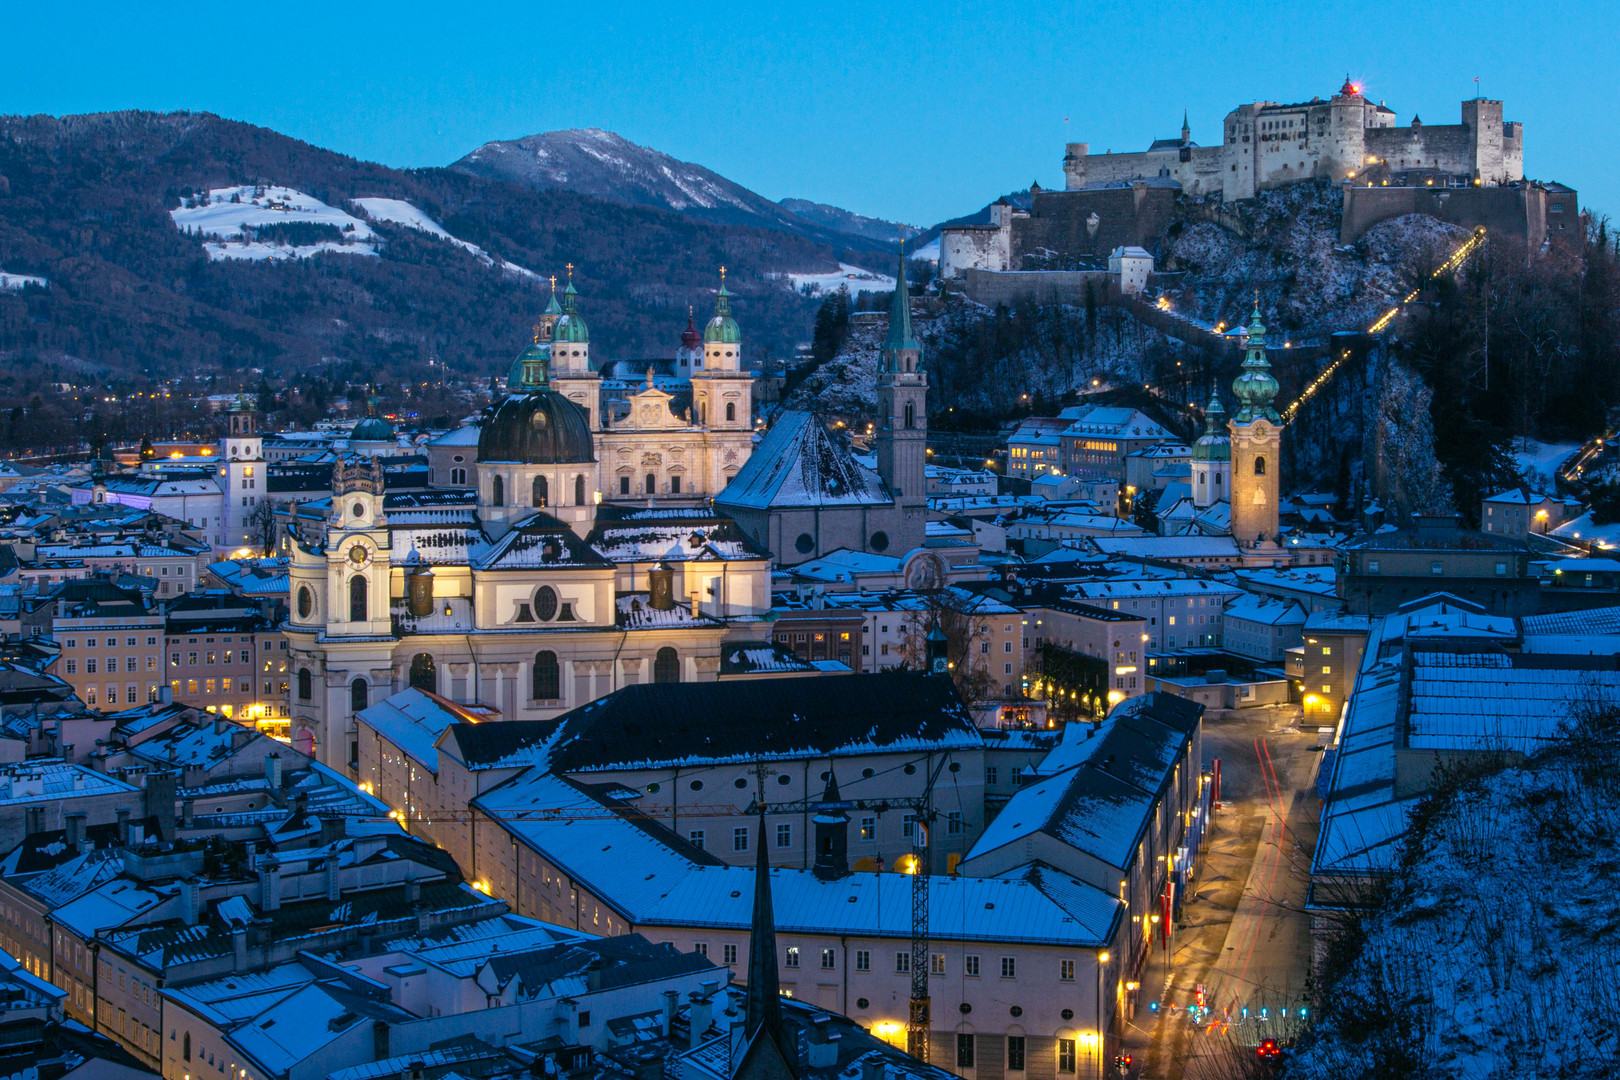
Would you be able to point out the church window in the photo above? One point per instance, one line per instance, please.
(523, 614)
(675, 484)
(566, 613)
(359, 695)
(579, 491)
(805, 543)
(497, 495)
(667, 666)
(1259, 466)
(458, 476)
(652, 484)
(545, 603)
(624, 485)
(547, 678)
(306, 689)
(542, 492)
(357, 599)
(423, 674)
(911, 415)
(731, 410)
(879, 541)
(306, 601)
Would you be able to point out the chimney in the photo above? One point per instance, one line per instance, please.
(269, 872)
(165, 694)
(670, 998)
(332, 830)
(874, 1069)
(123, 826)
(413, 891)
(379, 1042)
(593, 975)
(700, 1013)
(239, 948)
(191, 902)
(188, 808)
(272, 771)
(74, 823)
(160, 792)
(332, 886)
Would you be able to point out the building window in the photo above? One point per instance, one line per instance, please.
(829, 959)
(357, 599)
(423, 675)
(792, 957)
(579, 491)
(667, 666)
(863, 960)
(674, 485)
(624, 485)
(497, 492)
(990, 775)
(964, 1050)
(868, 828)
(358, 695)
(306, 688)
(936, 963)
(970, 965)
(696, 838)
(1501, 569)
(1066, 970)
(547, 676)
(908, 826)
(1260, 466)
(953, 822)
(541, 492)
(1009, 967)
(728, 954)
(652, 484)
(739, 838)
(731, 411)
(902, 963)
(784, 836)
(1437, 568)
(1372, 566)
(1015, 1053)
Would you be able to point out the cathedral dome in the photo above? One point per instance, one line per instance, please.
(372, 429)
(543, 428)
(571, 330)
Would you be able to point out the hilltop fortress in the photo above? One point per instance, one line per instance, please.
(1265, 145)
(1114, 209)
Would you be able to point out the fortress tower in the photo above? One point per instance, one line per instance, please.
(1256, 432)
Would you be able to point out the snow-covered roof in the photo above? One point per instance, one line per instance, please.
(797, 464)
(467, 435)
(1170, 547)
(1265, 610)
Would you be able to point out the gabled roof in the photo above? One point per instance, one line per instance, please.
(797, 464)
(650, 726)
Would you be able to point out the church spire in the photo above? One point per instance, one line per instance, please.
(764, 988)
(1186, 129)
(900, 340)
(1255, 387)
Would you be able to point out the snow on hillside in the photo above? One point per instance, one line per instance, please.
(929, 251)
(400, 212)
(857, 279)
(229, 219)
(1537, 461)
(18, 281)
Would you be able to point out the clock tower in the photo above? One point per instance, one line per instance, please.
(1256, 430)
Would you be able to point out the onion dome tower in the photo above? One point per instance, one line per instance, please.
(1212, 458)
(1256, 431)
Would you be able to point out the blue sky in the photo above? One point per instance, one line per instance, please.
(913, 112)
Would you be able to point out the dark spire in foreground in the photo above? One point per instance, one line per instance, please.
(764, 989)
(900, 340)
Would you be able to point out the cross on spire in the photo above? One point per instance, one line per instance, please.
(553, 282)
(536, 329)
(722, 275)
(570, 271)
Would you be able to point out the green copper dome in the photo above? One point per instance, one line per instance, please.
(531, 370)
(1256, 388)
(570, 328)
(1214, 444)
(722, 329)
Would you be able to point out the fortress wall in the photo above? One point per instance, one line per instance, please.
(1058, 222)
(1516, 212)
(1447, 147)
(1060, 286)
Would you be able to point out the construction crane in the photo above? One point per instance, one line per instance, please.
(922, 823)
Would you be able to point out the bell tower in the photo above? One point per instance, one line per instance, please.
(902, 437)
(1256, 431)
(241, 475)
(357, 552)
(571, 372)
(1212, 458)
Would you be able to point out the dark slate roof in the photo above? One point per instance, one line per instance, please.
(541, 428)
(624, 961)
(762, 718)
(797, 464)
(508, 743)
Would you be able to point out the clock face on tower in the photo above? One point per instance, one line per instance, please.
(1260, 431)
(357, 555)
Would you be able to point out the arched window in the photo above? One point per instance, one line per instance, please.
(185, 1046)
(667, 666)
(911, 415)
(547, 677)
(542, 492)
(423, 675)
(731, 410)
(579, 491)
(1259, 466)
(497, 495)
(359, 697)
(458, 476)
(306, 601)
(357, 599)
(306, 687)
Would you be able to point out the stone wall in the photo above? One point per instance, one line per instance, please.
(1067, 230)
(1520, 211)
(1050, 286)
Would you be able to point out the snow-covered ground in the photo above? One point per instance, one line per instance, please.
(929, 251)
(857, 280)
(226, 216)
(400, 212)
(17, 281)
(1538, 461)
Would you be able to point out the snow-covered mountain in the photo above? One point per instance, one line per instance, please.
(834, 217)
(599, 163)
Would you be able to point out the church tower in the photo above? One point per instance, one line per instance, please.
(241, 475)
(1256, 441)
(902, 437)
(1212, 458)
(722, 389)
(571, 373)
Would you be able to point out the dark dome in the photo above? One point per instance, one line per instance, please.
(543, 428)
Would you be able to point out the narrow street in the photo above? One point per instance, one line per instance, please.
(1243, 934)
